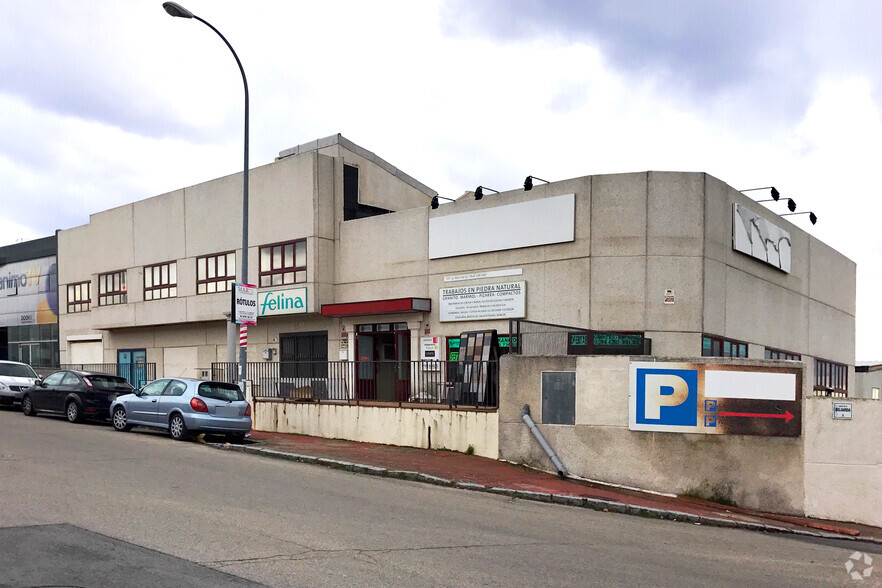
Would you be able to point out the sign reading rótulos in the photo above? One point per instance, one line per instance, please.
(244, 304)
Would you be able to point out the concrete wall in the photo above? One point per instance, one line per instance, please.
(757, 472)
(843, 461)
(411, 427)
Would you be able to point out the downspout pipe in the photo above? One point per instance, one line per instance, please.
(561, 468)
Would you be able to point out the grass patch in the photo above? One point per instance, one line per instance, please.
(720, 493)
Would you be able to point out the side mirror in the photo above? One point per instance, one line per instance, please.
(38, 382)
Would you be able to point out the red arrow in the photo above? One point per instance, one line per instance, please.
(787, 416)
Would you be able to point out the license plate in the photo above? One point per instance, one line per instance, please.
(226, 411)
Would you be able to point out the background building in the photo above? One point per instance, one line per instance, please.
(29, 302)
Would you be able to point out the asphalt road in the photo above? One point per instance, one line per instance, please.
(85, 505)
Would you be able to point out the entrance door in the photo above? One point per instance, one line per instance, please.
(132, 366)
(303, 359)
(383, 362)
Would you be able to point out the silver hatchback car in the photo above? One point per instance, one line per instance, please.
(183, 406)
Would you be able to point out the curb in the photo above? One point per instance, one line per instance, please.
(577, 501)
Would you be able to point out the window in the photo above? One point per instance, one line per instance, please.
(352, 208)
(712, 346)
(112, 288)
(283, 263)
(215, 273)
(161, 281)
(79, 297)
(54, 379)
(177, 388)
(875, 394)
(779, 354)
(831, 378)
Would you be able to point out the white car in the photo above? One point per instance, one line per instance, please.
(15, 378)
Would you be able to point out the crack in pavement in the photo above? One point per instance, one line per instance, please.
(366, 554)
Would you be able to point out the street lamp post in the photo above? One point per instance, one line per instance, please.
(175, 9)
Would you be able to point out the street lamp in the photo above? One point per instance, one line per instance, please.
(175, 9)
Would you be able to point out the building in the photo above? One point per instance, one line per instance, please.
(29, 302)
(868, 380)
(351, 259)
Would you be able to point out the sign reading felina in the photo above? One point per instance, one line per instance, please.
(484, 302)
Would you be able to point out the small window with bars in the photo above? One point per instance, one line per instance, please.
(283, 263)
(112, 288)
(781, 354)
(161, 281)
(79, 297)
(215, 273)
(831, 378)
(712, 346)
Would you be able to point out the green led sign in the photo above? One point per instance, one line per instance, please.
(618, 339)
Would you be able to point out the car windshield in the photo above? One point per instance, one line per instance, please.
(110, 382)
(220, 391)
(17, 370)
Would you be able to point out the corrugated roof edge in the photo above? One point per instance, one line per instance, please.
(339, 139)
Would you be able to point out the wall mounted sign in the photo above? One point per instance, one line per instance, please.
(541, 221)
(759, 238)
(29, 290)
(842, 411)
(485, 302)
(669, 296)
(282, 301)
(714, 399)
(484, 275)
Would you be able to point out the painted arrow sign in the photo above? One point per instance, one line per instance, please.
(787, 416)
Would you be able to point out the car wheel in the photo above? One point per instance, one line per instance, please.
(72, 412)
(121, 420)
(27, 407)
(177, 427)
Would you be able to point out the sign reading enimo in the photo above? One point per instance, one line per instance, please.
(759, 238)
(282, 301)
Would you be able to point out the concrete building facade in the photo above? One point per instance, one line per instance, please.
(347, 250)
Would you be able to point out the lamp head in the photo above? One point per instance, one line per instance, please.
(175, 9)
(813, 218)
(791, 204)
(435, 202)
(528, 183)
(775, 194)
(479, 193)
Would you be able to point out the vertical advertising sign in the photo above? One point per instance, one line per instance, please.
(244, 304)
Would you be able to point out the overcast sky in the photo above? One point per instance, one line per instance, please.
(108, 102)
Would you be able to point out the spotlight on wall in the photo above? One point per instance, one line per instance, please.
(812, 217)
(479, 191)
(528, 183)
(435, 202)
(775, 193)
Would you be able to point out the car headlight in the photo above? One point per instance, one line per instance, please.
(3, 387)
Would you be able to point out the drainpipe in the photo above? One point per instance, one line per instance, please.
(561, 468)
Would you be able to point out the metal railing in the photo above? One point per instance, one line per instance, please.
(452, 383)
(137, 374)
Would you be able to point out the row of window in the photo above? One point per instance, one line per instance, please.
(280, 264)
(831, 378)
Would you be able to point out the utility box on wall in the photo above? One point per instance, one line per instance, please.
(559, 398)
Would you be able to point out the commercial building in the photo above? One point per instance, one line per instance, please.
(29, 302)
(350, 257)
(365, 281)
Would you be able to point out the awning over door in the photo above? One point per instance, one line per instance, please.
(391, 306)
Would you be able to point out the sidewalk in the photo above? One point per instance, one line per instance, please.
(449, 468)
